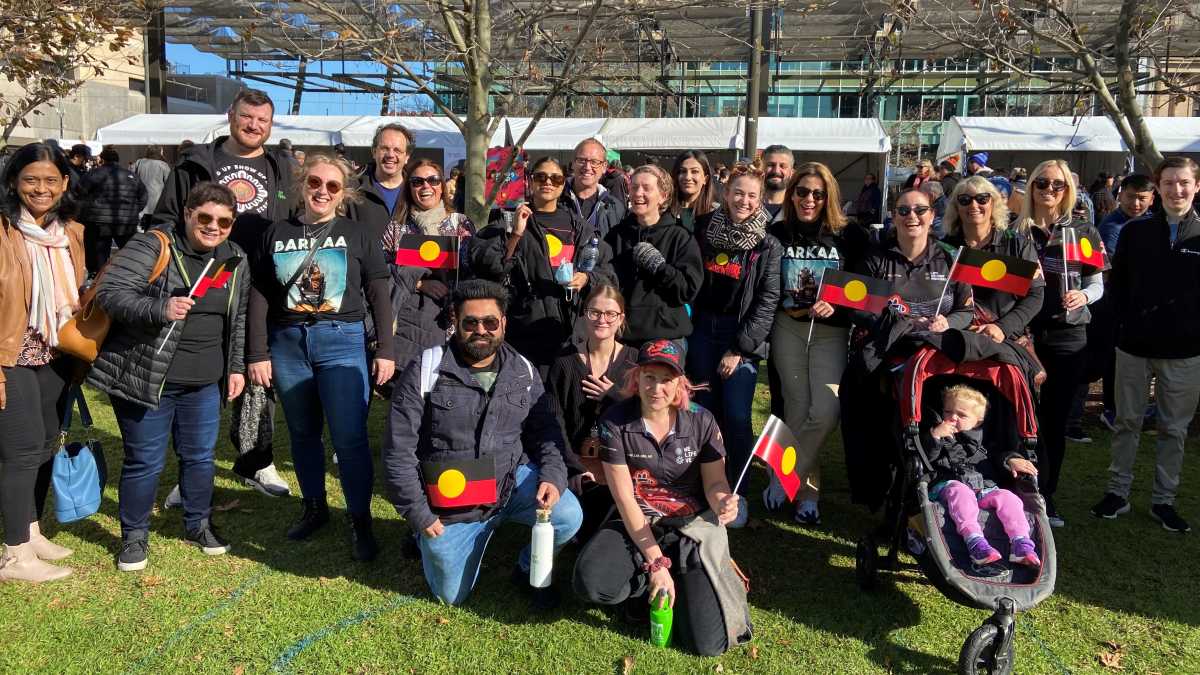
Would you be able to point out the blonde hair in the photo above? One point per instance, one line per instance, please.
(1068, 199)
(350, 191)
(665, 185)
(968, 395)
(978, 184)
(832, 217)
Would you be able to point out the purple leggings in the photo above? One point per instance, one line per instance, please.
(963, 505)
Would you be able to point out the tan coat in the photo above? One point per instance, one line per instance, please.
(16, 285)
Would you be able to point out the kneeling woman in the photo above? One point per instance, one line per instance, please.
(169, 383)
(665, 465)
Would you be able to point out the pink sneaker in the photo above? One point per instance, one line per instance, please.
(1023, 552)
(981, 551)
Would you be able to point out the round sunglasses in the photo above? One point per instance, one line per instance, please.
(315, 182)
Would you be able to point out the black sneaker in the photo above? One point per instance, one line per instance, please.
(1111, 506)
(205, 537)
(314, 517)
(363, 546)
(1171, 522)
(135, 552)
(1052, 516)
(1077, 435)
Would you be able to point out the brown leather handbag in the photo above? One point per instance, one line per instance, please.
(83, 334)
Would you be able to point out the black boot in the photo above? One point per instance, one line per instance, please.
(363, 546)
(313, 518)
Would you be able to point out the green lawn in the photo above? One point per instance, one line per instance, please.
(277, 605)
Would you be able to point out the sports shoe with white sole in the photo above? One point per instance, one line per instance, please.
(134, 555)
(1110, 506)
(174, 500)
(206, 538)
(1169, 518)
(269, 482)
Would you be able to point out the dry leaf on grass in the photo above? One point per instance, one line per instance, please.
(753, 652)
(1111, 658)
(627, 664)
(151, 580)
(719, 668)
(239, 669)
(228, 506)
(55, 603)
(442, 621)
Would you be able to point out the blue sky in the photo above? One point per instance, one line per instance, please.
(198, 62)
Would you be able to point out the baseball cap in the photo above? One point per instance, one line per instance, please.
(665, 352)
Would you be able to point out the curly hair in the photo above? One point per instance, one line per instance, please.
(350, 191)
(977, 185)
(665, 185)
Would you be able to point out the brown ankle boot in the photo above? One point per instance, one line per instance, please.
(43, 547)
(20, 563)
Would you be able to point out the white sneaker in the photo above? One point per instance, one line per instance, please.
(174, 500)
(269, 482)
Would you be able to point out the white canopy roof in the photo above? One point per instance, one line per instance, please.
(828, 134)
(1061, 134)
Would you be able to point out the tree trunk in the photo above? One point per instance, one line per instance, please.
(1143, 143)
(479, 73)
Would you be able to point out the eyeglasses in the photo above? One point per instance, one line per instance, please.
(208, 218)
(555, 179)
(803, 192)
(315, 182)
(905, 210)
(422, 181)
(470, 324)
(981, 199)
(595, 315)
(1047, 184)
(584, 161)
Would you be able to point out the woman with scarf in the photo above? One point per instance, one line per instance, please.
(733, 314)
(547, 262)
(1060, 328)
(41, 270)
(419, 294)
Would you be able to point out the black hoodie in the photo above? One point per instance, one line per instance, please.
(198, 164)
(656, 305)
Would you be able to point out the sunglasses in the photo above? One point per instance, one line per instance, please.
(422, 181)
(803, 192)
(595, 315)
(208, 218)
(314, 183)
(1047, 184)
(981, 199)
(903, 211)
(555, 179)
(470, 324)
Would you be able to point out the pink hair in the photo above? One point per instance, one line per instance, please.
(683, 395)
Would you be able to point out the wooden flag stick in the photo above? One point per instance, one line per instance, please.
(190, 294)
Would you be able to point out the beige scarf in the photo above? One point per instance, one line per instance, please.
(55, 298)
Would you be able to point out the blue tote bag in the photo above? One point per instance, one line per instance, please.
(79, 470)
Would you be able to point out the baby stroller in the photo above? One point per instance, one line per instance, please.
(923, 525)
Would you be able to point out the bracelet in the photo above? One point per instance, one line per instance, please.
(662, 563)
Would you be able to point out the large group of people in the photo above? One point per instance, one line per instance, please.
(589, 360)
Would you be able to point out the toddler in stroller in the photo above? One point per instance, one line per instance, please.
(966, 478)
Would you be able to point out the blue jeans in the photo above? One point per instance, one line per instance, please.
(320, 372)
(191, 418)
(729, 400)
(451, 561)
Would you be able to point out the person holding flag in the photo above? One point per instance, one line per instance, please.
(1072, 257)
(173, 357)
(664, 460)
(548, 240)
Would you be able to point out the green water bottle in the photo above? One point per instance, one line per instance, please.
(661, 618)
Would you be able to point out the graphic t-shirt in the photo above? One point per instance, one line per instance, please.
(724, 274)
(666, 476)
(330, 287)
(248, 177)
(806, 256)
(560, 235)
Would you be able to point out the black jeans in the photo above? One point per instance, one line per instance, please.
(1064, 371)
(98, 247)
(29, 426)
(609, 572)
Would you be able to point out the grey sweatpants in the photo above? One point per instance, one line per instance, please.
(1177, 391)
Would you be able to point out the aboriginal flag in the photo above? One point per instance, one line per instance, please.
(559, 252)
(1081, 249)
(217, 276)
(434, 252)
(457, 483)
(777, 447)
(992, 270)
(855, 291)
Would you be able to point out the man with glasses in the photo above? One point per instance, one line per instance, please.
(260, 179)
(590, 200)
(463, 417)
(383, 180)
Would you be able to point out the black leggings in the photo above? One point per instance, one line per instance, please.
(609, 572)
(1064, 371)
(28, 438)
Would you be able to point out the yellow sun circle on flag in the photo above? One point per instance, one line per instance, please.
(1085, 247)
(722, 258)
(554, 244)
(855, 290)
(452, 483)
(993, 270)
(788, 462)
(429, 250)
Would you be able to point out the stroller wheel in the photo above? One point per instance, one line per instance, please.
(866, 563)
(979, 657)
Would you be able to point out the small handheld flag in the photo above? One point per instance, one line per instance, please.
(216, 277)
(434, 252)
(855, 291)
(992, 270)
(458, 483)
(776, 446)
(1082, 249)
